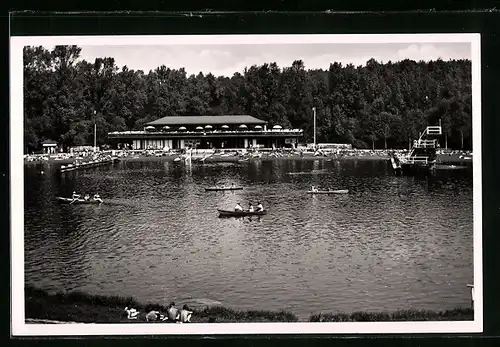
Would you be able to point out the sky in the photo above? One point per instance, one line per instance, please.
(225, 60)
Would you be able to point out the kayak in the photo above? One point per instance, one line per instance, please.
(78, 201)
(343, 191)
(211, 189)
(226, 213)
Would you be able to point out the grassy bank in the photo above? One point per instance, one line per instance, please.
(81, 307)
(85, 308)
(458, 314)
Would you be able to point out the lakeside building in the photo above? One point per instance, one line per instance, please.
(206, 132)
(49, 147)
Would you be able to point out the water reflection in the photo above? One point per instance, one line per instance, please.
(158, 236)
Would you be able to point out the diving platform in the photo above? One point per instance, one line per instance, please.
(422, 156)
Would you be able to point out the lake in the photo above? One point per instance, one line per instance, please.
(391, 243)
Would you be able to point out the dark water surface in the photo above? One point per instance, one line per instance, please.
(392, 243)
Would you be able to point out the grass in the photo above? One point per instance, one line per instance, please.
(81, 307)
(458, 314)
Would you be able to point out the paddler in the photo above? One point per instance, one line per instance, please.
(238, 208)
(260, 208)
(97, 198)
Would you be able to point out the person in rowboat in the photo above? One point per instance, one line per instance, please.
(74, 197)
(97, 198)
(87, 197)
(260, 208)
(314, 189)
(250, 207)
(238, 208)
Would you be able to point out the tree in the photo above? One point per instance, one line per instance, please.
(64, 96)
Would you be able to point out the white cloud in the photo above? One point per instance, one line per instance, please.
(426, 52)
(228, 59)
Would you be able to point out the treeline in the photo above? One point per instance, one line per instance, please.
(372, 106)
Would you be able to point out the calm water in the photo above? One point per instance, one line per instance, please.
(392, 243)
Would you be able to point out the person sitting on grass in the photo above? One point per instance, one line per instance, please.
(172, 312)
(185, 315)
(153, 316)
(238, 208)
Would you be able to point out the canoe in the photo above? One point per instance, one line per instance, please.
(343, 191)
(77, 201)
(226, 213)
(212, 189)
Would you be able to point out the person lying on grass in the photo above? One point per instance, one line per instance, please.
(132, 313)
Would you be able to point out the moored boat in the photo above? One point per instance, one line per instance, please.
(226, 213)
(341, 191)
(211, 189)
(77, 201)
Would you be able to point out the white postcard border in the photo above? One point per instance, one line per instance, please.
(20, 328)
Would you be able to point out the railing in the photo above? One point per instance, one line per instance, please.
(294, 132)
(433, 130)
(425, 143)
(418, 160)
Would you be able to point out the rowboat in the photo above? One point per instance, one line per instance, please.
(77, 201)
(342, 191)
(226, 213)
(212, 189)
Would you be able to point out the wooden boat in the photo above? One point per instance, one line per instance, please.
(226, 213)
(213, 189)
(342, 191)
(78, 201)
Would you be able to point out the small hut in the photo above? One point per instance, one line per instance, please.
(49, 147)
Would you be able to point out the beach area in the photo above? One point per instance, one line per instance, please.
(450, 157)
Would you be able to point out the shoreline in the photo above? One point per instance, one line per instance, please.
(78, 307)
(441, 159)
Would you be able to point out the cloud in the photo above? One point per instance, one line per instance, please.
(427, 52)
(225, 60)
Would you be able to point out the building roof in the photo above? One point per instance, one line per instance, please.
(206, 120)
(49, 142)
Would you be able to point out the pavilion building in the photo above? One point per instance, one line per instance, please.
(206, 132)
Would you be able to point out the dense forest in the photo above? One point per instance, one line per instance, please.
(372, 106)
